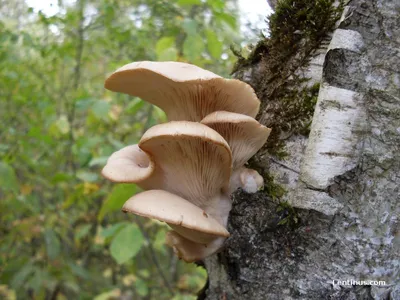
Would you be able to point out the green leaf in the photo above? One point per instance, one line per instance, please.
(134, 106)
(61, 177)
(165, 49)
(8, 179)
(126, 244)
(78, 270)
(52, 242)
(82, 231)
(216, 5)
(101, 109)
(189, 2)
(119, 194)
(227, 19)
(190, 26)
(193, 47)
(63, 125)
(87, 176)
(159, 115)
(214, 46)
(59, 127)
(159, 239)
(141, 287)
(98, 161)
(22, 275)
(84, 104)
(112, 230)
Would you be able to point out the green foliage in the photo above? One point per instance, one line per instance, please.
(116, 198)
(62, 232)
(126, 244)
(288, 215)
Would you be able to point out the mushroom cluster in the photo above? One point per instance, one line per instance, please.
(189, 166)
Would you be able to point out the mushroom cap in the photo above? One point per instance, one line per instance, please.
(244, 134)
(184, 217)
(191, 160)
(130, 164)
(183, 91)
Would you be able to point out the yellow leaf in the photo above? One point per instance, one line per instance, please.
(26, 189)
(89, 188)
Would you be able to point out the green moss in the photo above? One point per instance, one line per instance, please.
(297, 28)
(288, 215)
(273, 190)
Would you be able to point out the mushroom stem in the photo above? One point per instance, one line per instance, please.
(190, 251)
(247, 179)
(219, 208)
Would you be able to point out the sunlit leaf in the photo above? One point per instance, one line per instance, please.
(189, 2)
(165, 49)
(214, 46)
(126, 244)
(193, 47)
(227, 19)
(216, 5)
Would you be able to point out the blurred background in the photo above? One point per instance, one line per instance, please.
(62, 235)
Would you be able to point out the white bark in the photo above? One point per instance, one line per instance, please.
(344, 180)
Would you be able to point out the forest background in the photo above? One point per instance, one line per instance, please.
(61, 230)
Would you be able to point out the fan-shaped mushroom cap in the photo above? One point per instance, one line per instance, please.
(244, 134)
(184, 217)
(183, 91)
(190, 251)
(187, 159)
(191, 160)
(130, 164)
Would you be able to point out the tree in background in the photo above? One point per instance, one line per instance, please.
(62, 233)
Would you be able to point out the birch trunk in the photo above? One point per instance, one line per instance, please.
(342, 181)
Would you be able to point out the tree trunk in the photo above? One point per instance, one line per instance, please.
(330, 208)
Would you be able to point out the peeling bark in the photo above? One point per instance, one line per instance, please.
(343, 180)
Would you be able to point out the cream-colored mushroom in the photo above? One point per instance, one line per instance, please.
(183, 91)
(190, 160)
(190, 251)
(245, 137)
(247, 179)
(129, 164)
(244, 134)
(184, 217)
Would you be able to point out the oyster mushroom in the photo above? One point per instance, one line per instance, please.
(185, 218)
(183, 91)
(187, 159)
(245, 137)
